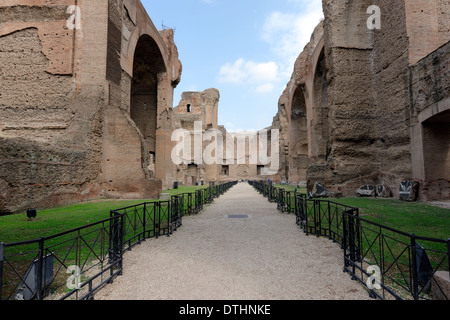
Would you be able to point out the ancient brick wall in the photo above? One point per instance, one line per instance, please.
(65, 102)
(430, 107)
(50, 129)
(369, 94)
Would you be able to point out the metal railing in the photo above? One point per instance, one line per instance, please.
(390, 263)
(393, 264)
(77, 263)
(72, 264)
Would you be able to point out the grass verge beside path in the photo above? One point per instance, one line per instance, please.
(419, 218)
(17, 227)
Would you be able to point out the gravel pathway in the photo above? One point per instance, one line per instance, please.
(214, 257)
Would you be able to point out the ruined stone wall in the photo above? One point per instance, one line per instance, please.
(65, 102)
(366, 92)
(347, 57)
(280, 123)
(430, 83)
(50, 126)
(391, 130)
(375, 138)
(430, 106)
(142, 70)
(200, 107)
(301, 131)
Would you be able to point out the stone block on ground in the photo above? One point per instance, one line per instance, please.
(409, 190)
(440, 287)
(320, 191)
(164, 196)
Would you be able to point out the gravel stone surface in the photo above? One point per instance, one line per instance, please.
(214, 257)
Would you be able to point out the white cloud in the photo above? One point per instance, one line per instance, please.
(232, 73)
(265, 88)
(262, 76)
(288, 33)
(242, 71)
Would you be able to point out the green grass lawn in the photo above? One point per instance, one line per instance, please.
(390, 248)
(17, 227)
(419, 218)
(290, 188)
(187, 189)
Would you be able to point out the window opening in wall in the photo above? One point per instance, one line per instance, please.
(225, 170)
(260, 170)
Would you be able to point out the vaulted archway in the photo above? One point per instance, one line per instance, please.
(299, 146)
(436, 155)
(148, 65)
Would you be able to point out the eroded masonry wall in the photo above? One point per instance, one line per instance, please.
(430, 106)
(50, 126)
(377, 100)
(66, 128)
(390, 58)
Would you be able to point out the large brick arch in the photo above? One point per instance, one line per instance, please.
(143, 27)
(66, 130)
(143, 111)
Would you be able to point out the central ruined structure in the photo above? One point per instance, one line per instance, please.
(233, 155)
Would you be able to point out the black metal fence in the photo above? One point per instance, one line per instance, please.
(75, 264)
(72, 264)
(390, 263)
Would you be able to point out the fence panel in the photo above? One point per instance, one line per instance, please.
(403, 264)
(77, 263)
(390, 263)
(69, 265)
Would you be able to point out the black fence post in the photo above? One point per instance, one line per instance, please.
(329, 221)
(116, 227)
(121, 239)
(144, 222)
(157, 219)
(2, 258)
(345, 239)
(316, 203)
(352, 243)
(305, 207)
(358, 234)
(40, 270)
(448, 256)
(415, 275)
(319, 221)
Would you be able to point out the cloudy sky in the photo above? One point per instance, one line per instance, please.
(244, 48)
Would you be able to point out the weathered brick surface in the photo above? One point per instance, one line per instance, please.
(66, 128)
(365, 122)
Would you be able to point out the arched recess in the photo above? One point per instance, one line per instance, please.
(320, 82)
(320, 123)
(436, 155)
(299, 147)
(148, 65)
